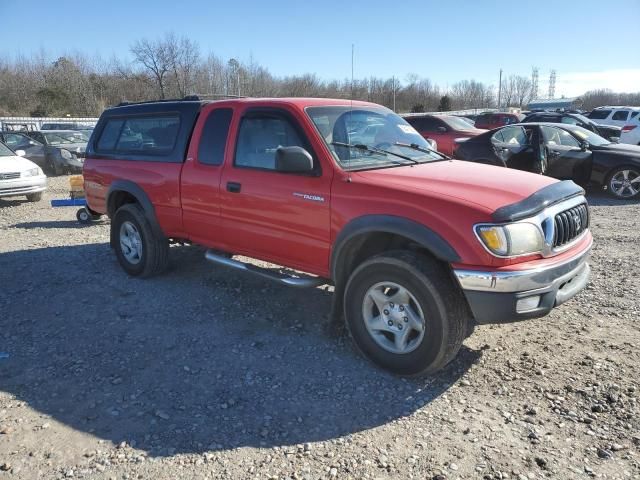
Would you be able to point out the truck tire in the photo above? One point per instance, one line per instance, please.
(405, 313)
(139, 251)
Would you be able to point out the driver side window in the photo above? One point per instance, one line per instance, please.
(259, 138)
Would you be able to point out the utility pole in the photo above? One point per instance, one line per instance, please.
(500, 90)
(353, 48)
(394, 92)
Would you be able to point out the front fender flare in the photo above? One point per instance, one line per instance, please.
(418, 233)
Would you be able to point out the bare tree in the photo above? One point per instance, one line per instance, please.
(172, 66)
(183, 56)
(522, 91)
(156, 57)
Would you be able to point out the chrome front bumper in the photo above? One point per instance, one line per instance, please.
(504, 296)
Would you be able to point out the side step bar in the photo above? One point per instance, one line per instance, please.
(298, 282)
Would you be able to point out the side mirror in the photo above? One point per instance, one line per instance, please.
(441, 129)
(21, 153)
(293, 160)
(584, 146)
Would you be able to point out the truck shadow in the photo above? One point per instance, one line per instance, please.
(199, 359)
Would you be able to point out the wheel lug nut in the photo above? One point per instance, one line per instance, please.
(391, 304)
(390, 323)
(402, 308)
(406, 319)
(399, 326)
(386, 312)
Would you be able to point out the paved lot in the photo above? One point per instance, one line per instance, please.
(208, 373)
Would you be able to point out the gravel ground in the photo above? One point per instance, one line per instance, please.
(204, 372)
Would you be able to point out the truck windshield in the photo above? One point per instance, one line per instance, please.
(363, 138)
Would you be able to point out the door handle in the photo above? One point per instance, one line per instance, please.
(234, 187)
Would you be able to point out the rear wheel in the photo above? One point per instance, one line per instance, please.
(34, 197)
(140, 252)
(405, 314)
(624, 182)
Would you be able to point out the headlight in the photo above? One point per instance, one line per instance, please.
(512, 239)
(34, 172)
(65, 154)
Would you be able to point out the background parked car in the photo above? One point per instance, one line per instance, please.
(19, 176)
(617, 116)
(64, 149)
(631, 131)
(493, 120)
(444, 129)
(469, 120)
(34, 150)
(563, 151)
(67, 126)
(609, 132)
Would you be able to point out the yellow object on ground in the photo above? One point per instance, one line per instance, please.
(76, 183)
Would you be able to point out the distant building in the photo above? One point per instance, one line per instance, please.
(573, 103)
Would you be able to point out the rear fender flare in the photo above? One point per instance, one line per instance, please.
(142, 199)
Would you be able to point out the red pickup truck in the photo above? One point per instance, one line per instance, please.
(419, 247)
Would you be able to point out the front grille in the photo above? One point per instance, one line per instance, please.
(9, 176)
(570, 224)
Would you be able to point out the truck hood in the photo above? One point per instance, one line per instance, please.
(486, 186)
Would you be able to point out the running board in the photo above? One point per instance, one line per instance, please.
(298, 282)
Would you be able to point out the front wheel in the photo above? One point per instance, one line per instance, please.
(624, 182)
(139, 250)
(405, 314)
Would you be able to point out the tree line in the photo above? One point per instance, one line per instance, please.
(173, 67)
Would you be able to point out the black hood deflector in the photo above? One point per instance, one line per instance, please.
(535, 203)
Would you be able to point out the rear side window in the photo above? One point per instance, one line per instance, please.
(599, 114)
(634, 114)
(620, 115)
(147, 135)
(110, 134)
(214, 137)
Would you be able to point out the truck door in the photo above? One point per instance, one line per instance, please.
(200, 179)
(279, 217)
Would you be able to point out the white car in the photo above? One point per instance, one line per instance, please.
(616, 116)
(19, 176)
(631, 131)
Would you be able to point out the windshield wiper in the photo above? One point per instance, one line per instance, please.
(415, 146)
(360, 146)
